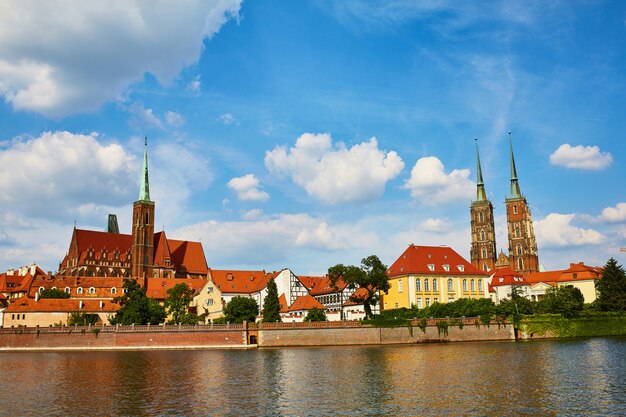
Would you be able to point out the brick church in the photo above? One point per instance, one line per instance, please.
(142, 254)
(522, 253)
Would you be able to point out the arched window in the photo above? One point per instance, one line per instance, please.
(464, 285)
(472, 285)
(41, 289)
(435, 284)
(517, 231)
(515, 209)
(113, 290)
(482, 235)
(125, 290)
(480, 285)
(92, 290)
(485, 268)
(450, 285)
(67, 290)
(418, 284)
(481, 217)
(518, 249)
(79, 290)
(484, 252)
(520, 264)
(147, 218)
(426, 285)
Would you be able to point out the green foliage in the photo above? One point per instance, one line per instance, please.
(315, 314)
(95, 331)
(566, 300)
(463, 307)
(241, 309)
(422, 324)
(271, 305)
(371, 275)
(177, 304)
(136, 307)
(82, 319)
(588, 324)
(53, 293)
(442, 327)
(612, 288)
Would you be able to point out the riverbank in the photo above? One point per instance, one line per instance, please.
(551, 326)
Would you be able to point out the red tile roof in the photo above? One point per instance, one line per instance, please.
(356, 298)
(282, 302)
(239, 282)
(416, 260)
(305, 302)
(507, 276)
(24, 304)
(157, 287)
(189, 254)
(575, 272)
(19, 283)
(321, 285)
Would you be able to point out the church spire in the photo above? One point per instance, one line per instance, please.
(515, 191)
(480, 186)
(144, 187)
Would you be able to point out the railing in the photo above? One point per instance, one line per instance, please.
(305, 325)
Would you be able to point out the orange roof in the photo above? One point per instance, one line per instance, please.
(305, 302)
(157, 287)
(189, 254)
(25, 304)
(239, 282)
(439, 260)
(507, 276)
(102, 240)
(19, 283)
(356, 298)
(321, 285)
(549, 277)
(282, 302)
(580, 272)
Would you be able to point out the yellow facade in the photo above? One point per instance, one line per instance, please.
(422, 290)
(587, 287)
(208, 301)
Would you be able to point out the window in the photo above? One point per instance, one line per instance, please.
(427, 302)
(418, 284)
(396, 305)
(461, 267)
(485, 268)
(515, 209)
(482, 235)
(41, 289)
(435, 300)
(419, 303)
(435, 284)
(209, 290)
(431, 267)
(450, 285)
(67, 290)
(481, 217)
(399, 285)
(517, 234)
(113, 290)
(480, 285)
(518, 249)
(446, 267)
(450, 299)
(472, 285)
(484, 252)
(209, 302)
(92, 290)
(464, 285)
(79, 290)
(426, 285)
(125, 290)
(520, 264)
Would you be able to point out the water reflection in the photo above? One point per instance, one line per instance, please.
(579, 377)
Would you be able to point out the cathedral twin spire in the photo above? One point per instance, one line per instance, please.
(144, 186)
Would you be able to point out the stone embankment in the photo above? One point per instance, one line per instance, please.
(246, 335)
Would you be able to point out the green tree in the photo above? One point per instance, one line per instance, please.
(566, 300)
(53, 293)
(136, 307)
(315, 314)
(241, 309)
(612, 288)
(271, 306)
(371, 275)
(177, 304)
(82, 319)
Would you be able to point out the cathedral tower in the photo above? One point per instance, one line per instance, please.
(523, 255)
(143, 227)
(483, 251)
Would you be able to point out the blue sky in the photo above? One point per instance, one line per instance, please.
(305, 134)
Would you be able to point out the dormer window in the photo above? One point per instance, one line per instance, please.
(92, 290)
(500, 279)
(41, 289)
(446, 267)
(113, 290)
(67, 290)
(79, 290)
(431, 266)
(461, 267)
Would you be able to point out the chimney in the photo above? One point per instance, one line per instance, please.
(101, 304)
(37, 296)
(80, 304)
(33, 269)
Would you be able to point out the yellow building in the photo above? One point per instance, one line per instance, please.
(579, 275)
(208, 301)
(43, 312)
(424, 275)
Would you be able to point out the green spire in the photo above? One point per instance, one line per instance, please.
(515, 192)
(144, 187)
(480, 186)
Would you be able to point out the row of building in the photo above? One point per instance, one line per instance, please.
(96, 264)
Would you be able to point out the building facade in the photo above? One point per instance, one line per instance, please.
(483, 250)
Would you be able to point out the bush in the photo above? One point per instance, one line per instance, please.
(53, 293)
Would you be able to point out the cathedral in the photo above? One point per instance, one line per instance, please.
(142, 254)
(522, 246)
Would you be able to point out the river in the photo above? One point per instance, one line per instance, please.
(572, 377)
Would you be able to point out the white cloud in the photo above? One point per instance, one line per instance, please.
(253, 214)
(431, 185)
(434, 225)
(57, 172)
(614, 214)
(556, 230)
(336, 174)
(174, 119)
(143, 117)
(194, 85)
(581, 157)
(88, 53)
(227, 118)
(264, 240)
(247, 188)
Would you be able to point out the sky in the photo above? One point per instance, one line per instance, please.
(302, 134)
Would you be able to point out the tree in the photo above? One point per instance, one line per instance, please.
(177, 304)
(612, 288)
(371, 275)
(566, 300)
(315, 314)
(241, 309)
(136, 307)
(82, 319)
(53, 293)
(271, 306)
